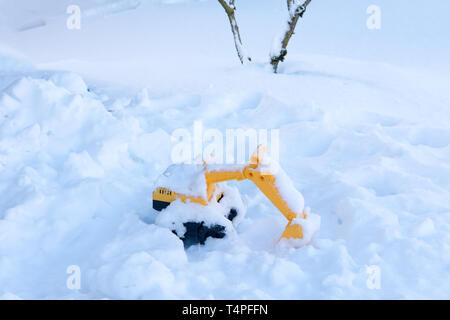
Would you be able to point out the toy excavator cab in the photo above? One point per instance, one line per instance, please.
(202, 184)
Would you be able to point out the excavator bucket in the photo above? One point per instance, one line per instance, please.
(292, 231)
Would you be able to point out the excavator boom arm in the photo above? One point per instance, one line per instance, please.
(265, 180)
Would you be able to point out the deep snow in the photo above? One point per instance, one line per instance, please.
(85, 129)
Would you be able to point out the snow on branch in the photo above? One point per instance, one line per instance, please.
(296, 9)
(230, 9)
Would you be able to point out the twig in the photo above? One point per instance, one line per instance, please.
(296, 10)
(230, 9)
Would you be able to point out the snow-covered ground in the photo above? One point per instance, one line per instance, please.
(86, 118)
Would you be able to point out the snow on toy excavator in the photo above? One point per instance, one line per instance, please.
(200, 187)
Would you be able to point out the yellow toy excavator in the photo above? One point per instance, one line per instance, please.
(201, 186)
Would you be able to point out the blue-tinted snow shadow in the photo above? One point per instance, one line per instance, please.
(330, 76)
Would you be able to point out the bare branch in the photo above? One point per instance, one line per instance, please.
(230, 9)
(296, 10)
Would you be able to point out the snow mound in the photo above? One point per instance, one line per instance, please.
(70, 81)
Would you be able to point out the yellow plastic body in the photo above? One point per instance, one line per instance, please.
(264, 180)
